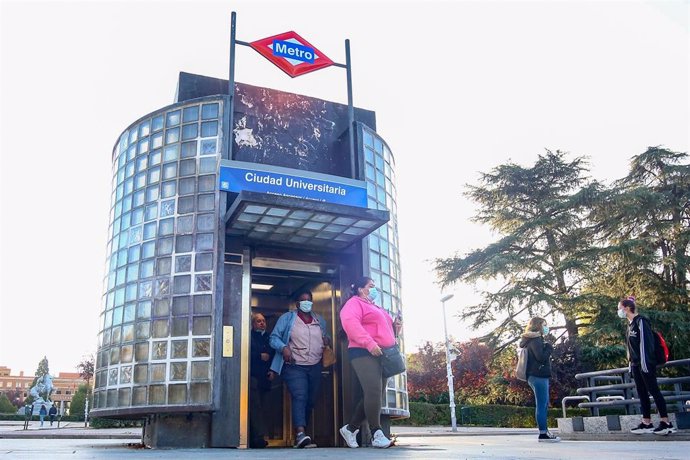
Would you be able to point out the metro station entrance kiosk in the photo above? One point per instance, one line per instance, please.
(227, 206)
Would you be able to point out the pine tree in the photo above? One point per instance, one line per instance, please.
(541, 257)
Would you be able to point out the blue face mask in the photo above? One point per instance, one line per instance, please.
(545, 330)
(305, 306)
(373, 294)
(621, 313)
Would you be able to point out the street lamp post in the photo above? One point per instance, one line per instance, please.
(449, 371)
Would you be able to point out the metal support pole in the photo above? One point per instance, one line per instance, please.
(231, 86)
(86, 410)
(350, 110)
(449, 370)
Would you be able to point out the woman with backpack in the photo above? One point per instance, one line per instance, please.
(539, 372)
(640, 341)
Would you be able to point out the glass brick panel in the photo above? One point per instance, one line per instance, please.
(142, 330)
(200, 370)
(203, 262)
(187, 186)
(160, 328)
(201, 325)
(200, 393)
(157, 394)
(179, 349)
(209, 111)
(178, 371)
(160, 350)
(185, 204)
(158, 372)
(180, 326)
(202, 348)
(139, 396)
(188, 149)
(112, 398)
(182, 284)
(202, 303)
(204, 241)
(161, 307)
(163, 265)
(185, 224)
(177, 394)
(183, 264)
(126, 374)
(141, 352)
(183, 243)
(187, 167)
(180, 305)
(141, 373)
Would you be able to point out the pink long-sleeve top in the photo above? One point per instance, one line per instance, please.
(366, 324)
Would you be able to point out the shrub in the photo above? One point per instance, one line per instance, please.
(425, 414)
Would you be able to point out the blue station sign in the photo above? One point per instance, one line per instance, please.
(236, 176)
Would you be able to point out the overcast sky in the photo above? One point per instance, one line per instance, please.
(458, 88)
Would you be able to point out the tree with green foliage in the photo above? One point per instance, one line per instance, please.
(541, 258)
(6, 407)
(78, 403)
(643, 226)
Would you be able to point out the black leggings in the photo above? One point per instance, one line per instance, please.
(646, 385)
(368, 371)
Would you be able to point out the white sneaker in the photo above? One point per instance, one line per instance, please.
(349, 437)
(380, 440)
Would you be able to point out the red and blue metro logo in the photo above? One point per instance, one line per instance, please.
(291, 53)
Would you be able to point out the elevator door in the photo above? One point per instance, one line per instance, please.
(272, 302)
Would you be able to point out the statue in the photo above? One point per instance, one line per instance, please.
(43, 387)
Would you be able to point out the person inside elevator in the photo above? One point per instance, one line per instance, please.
(369, 328)
(261, 378)
(299, 338)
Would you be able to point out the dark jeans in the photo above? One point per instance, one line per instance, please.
(303, 383)
(646, 385)
(540, 387)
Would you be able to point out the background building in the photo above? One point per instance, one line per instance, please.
(65, 383)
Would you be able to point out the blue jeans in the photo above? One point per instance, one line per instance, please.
(540, 387)
(303, 383)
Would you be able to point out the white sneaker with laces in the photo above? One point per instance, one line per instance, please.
(349, 437)
(380, 440)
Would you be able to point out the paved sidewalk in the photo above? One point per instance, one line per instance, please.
(67, 430)
(76, 430)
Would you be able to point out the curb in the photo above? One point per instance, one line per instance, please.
(460, 433)
(69, 436)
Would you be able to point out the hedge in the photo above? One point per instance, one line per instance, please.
(426, 414)
(95, 422)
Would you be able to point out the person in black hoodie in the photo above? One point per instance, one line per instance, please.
(539, 372)
(639, 339)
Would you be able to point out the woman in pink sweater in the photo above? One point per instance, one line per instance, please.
(369, 328)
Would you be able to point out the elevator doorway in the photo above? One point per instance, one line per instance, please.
(273, 291)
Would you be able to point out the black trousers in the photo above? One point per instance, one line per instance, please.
(646, 385)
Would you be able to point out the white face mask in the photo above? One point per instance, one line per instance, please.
(621, 313)
(305, 306)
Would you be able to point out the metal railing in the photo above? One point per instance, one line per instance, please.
(623, 394)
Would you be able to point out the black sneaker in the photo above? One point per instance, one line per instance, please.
(664, 429)
(302, 441)
(643, 428)
(548, 437)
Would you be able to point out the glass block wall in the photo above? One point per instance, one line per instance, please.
(155, 339)
(384, 258)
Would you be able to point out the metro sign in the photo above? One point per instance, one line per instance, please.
(291, 53)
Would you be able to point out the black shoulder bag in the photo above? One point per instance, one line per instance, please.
(392, 360)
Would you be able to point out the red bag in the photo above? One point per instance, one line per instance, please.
(660, 349)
